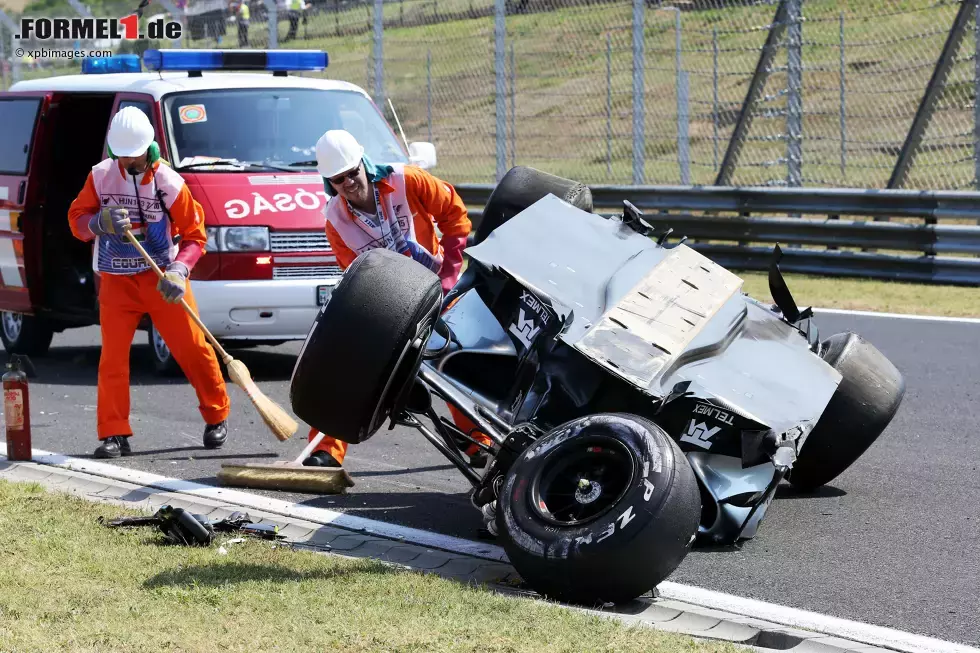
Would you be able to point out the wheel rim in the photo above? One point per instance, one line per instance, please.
(160, 348)
(408, 363)
(13, 323)
(579, 482)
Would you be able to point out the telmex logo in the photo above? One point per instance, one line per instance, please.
(78, 29)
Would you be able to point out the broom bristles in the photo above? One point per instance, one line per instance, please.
(277, 419)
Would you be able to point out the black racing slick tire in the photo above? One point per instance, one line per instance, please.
(601, 509)
(868, 396)
(520, 188)
(365, 347)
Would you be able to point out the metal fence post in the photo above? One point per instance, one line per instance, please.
(608, 105)
(273, 12)
(3, 59)
(14, 59)
(683, 120)
(428, 90)
(499, 31)
(683, 154)
(714, 83)
(843, 102)
(513, 110)
(639, 141)
(937, 82)
(756, 86)
(976, 98)
(379, 62)
(794, 100)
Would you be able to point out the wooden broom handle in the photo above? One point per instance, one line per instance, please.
(156, 268)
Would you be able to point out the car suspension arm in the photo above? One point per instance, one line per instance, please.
(464, 404)
(474, 478)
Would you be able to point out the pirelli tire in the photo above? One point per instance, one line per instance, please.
(606, 535)
(870, 392)
(520, 188)
(365, 347)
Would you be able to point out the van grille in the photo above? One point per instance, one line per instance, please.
(307, 272)
(298, 241)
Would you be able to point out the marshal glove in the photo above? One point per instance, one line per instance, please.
(174, 282)
(110, 220)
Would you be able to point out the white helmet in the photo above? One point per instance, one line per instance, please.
(337, 151)
(130, 132)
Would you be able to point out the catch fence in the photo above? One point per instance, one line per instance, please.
(791, 93)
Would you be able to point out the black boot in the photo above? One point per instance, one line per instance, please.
(113, 447)
(321, 459)
(214, 435)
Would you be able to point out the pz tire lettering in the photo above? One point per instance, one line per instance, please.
(627, 515)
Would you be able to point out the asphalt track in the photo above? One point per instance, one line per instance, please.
(893, 541)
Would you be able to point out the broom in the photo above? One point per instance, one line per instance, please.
(277, 419)
(289, 476)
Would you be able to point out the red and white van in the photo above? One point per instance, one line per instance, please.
(243, 141)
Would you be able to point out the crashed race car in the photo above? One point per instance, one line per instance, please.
(638, 401)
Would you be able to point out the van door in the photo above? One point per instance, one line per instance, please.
(21, 120)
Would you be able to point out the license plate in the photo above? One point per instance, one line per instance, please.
(323, 294)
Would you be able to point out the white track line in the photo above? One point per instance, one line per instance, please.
(813, 621)
(771, 612)
(899, 316)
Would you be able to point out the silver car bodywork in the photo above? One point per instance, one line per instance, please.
(585, 299)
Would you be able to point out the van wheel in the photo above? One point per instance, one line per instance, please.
(25, 334)
(163, 361)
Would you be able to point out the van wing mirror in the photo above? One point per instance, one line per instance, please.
(422, 154)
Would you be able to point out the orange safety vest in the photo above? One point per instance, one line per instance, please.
(393, 227)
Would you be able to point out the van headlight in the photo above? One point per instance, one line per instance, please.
(212, 245)
(238, 239)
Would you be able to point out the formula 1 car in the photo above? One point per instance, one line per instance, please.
(637, 400)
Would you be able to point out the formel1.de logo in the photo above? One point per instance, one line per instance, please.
(80, 29)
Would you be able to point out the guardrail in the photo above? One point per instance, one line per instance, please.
(736, 227)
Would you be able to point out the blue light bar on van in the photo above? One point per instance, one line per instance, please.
(194, 60)
(121, 63)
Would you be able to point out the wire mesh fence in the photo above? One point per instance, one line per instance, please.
(831, 93)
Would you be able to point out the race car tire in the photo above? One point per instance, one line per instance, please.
(520, 188)
(867, 398)
(365, 346)
(643, 494)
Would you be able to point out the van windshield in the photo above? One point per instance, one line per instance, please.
(274, 128)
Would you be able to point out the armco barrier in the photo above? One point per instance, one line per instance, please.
(737, 227)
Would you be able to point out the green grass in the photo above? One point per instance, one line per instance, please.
(868, 295)
(70, 583)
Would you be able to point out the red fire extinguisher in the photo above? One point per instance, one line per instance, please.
(17, 411)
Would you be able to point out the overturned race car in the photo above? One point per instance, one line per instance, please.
(638, 401)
